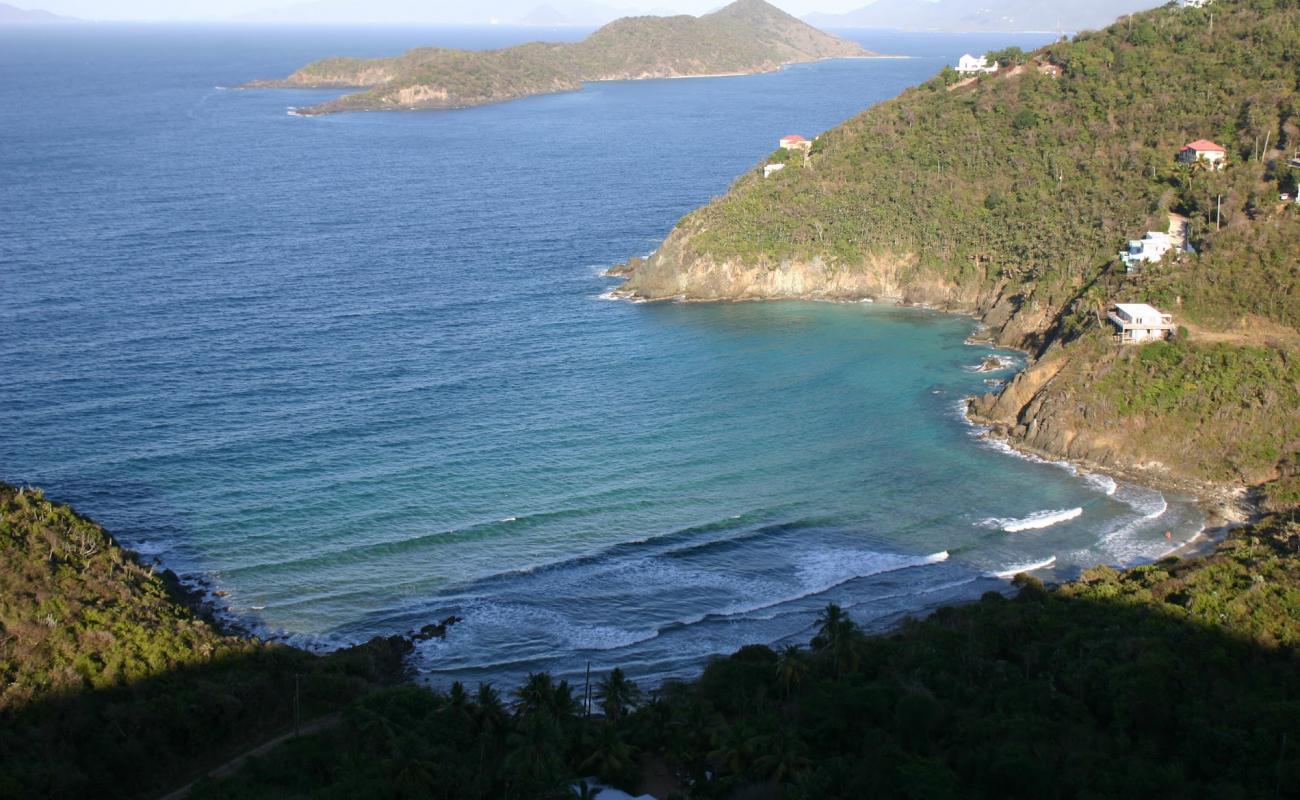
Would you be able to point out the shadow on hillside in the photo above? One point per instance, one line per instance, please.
(1116, 693)
(150, 736)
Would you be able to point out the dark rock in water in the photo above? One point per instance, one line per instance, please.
(438, 631)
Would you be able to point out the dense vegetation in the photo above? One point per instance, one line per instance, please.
(1029, 181)
(106, 671)
(1179, 679)
(745, 36)
(1014, 192)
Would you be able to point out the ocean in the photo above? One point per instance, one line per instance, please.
(359, 373)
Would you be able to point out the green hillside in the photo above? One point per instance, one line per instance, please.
(1010, 195)
(744, 37)
(110, 686)
(1031, 179)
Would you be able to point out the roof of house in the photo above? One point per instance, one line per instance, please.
(1138, 310)
(794, 137)
(1203, 146)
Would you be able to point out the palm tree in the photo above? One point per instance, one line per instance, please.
(535, 695)
(612, 759)
(782, 757)
(829, 623)
(617, 694)
(534, 764)
(836, 636)
(490, 712)
(791, 668)
(541, 695)
(733, 751)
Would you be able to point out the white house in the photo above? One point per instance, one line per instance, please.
(975, 65)
(795, 142)
(1150, 248)
(1193, 3)
(771, 169)
(1139, 322)
(1203, 150)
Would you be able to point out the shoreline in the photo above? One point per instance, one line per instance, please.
(1225, 506)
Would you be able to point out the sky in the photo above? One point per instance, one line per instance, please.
(230, 9)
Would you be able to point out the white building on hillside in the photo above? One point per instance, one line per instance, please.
(975, 65)
(1139, 322)
(795, 142)
(1193, 3)
(1205, 152)
(1150, 248)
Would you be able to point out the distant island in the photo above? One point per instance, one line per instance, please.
(13, 15)
(746, 37)
(982, 16)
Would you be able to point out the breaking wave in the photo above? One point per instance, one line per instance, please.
(1035, 521)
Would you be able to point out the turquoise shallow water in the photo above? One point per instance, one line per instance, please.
(357, 370)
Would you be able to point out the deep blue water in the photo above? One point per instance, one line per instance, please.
(357, 370)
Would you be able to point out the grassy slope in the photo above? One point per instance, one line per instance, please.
(746, 36)
(105, 670)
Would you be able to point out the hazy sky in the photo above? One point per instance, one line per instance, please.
(226, 9)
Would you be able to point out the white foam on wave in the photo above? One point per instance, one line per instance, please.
(1013, 571)
(821, 571)
(499, 622)
(1035, 521)
(509, 519)
(1149, 503)
(146, 547)
(1102, 483)
(620, 295)
(1000, 364)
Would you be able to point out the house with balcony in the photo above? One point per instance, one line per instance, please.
(1139, 322)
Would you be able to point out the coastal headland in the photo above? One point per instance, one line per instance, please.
(743, 38)
(1008, 197)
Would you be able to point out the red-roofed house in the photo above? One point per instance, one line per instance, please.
(794, 142)
(1203, 150)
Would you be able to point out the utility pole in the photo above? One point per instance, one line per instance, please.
(1218, 215)
(586, 691)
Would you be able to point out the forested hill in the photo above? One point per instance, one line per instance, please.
(1010, 196)
(745, 37)
(111, 686)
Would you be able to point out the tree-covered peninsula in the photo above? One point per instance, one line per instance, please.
(1009, 196)
(745, 37)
